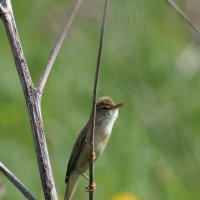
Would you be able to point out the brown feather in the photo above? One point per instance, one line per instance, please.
(77, 148)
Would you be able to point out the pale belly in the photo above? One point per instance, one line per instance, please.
(100, 142)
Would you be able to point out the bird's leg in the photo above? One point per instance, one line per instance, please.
(89, 188)
(85, 176)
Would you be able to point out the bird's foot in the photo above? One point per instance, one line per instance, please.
(90, 188)
(93, 156)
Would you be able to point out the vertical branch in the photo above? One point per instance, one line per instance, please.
(93, 113)
(182, 14)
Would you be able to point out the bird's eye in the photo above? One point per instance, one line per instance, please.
(105, 108)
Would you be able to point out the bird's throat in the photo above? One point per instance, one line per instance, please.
(105, 123)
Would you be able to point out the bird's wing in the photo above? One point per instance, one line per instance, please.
(77, 148)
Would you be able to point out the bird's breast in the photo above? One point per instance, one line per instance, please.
(102, 134)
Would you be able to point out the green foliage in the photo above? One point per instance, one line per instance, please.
(154, 149)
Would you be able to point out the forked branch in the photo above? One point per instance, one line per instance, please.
(31, 97)
(33, 94)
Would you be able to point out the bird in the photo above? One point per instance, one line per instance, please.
(106, 115)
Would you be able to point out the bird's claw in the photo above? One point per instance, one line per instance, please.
(90, 188)
(93, 156)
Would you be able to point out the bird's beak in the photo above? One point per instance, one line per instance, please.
(115, 106)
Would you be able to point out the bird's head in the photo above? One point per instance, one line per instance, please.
(105, 107)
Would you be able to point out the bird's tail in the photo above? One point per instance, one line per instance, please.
(71, 185)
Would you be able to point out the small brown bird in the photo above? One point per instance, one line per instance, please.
(106, 115)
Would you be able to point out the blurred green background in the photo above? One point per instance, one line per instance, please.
(150, 62)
